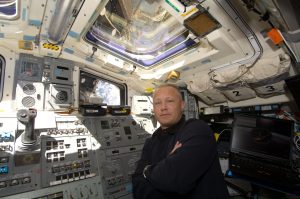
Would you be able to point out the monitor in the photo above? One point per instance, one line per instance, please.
(29, 68)
(264, 137)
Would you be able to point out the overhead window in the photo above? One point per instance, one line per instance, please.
(96, 90)
(9, 9)
(2, 66)
(142, 32)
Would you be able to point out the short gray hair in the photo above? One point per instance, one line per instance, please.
(169, 85)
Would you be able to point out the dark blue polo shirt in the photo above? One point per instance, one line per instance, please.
(192, 172)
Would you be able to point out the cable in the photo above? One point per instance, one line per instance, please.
(217, 135)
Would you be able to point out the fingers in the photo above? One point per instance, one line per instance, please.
(176, 146)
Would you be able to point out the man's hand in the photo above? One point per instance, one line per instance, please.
(176, 146)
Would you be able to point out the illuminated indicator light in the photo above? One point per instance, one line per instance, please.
(3, 169)
(6, 136)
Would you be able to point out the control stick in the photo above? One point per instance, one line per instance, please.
(27, 117)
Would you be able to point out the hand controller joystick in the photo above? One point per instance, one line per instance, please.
(27, 117)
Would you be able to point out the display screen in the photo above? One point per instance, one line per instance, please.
(262, 136)
(3, 169)
(29, 69)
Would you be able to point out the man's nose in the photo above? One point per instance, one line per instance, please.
(163, 106)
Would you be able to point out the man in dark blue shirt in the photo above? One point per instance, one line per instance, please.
(180, 160)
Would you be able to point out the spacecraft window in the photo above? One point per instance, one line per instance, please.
(97, 90)
(9, 9)
(142, 32)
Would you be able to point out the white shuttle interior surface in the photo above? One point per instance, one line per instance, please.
(77, 77)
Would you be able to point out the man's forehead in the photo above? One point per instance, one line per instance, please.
(168, 91)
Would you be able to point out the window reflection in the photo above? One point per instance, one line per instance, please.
(141, 31)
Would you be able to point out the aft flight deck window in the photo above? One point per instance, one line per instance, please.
(142, 32)
(96, 90)
(2, 66)
(9, 9)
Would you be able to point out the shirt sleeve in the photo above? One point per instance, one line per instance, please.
(142, 189)
(179, 172)
(145, 157)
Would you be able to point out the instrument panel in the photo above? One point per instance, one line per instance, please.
(78, 157)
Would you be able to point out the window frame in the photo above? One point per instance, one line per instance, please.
(2, 72)
(16, 15)
(185, 42)
(122, 86)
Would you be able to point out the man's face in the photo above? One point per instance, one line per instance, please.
(168, 106)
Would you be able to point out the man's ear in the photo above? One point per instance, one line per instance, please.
(182, 105)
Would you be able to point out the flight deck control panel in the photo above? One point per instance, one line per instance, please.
(77, 157)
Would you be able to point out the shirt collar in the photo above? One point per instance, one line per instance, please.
(171, 129)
